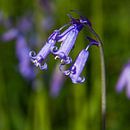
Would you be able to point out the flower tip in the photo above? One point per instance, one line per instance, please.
(37, 60)
(32, 54)
(85, 21)
(79, 80)
(92, 41)
(43, 67)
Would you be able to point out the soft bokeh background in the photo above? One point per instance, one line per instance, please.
(29, 105)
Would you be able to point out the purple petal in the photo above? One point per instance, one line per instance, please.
(128, 81)
(64, 35)
(121, 81)
(67, 44)
(56, 82)
(44, 52)
(26, 70)
(128, 87)
(10, 35)
(124, 80)
(22, 51)
(78, 66)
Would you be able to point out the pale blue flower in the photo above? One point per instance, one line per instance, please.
(39, 59)
(22, 51)
(124, 80)
(76, 69)
(68, 39)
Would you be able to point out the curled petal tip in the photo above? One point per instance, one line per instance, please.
(66, 60)
(38, 64)
(61, 55)
(82, 79)
(79, 80)
(37, 60)
(32, 54)
(43, 67)
(67, 72)
(54, 49)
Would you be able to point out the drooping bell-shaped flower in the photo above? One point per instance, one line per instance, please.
(76, 69)
(68, 38)
(124, 80)
(39, 59)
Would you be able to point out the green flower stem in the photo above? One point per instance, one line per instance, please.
(103, 78)
(103, 89)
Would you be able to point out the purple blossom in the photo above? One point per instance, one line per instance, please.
(24, 65)
(78, 66)
(44, 52)
(68, 38)
(57, 82)
(22, 51)
(124, 80)
(76, 69)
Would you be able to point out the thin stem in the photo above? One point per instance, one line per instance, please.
(103, 79)
(103, 88)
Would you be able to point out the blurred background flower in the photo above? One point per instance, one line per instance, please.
(124, 80)
(57, 81)
(20, 34)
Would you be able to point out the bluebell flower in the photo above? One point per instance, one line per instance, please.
(76, 69)
(22, 51)
(67, 44)
(44, 52)
(124, 80)
(68, 38)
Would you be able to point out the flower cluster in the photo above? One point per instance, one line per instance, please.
(124, 80)
(67, 38)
